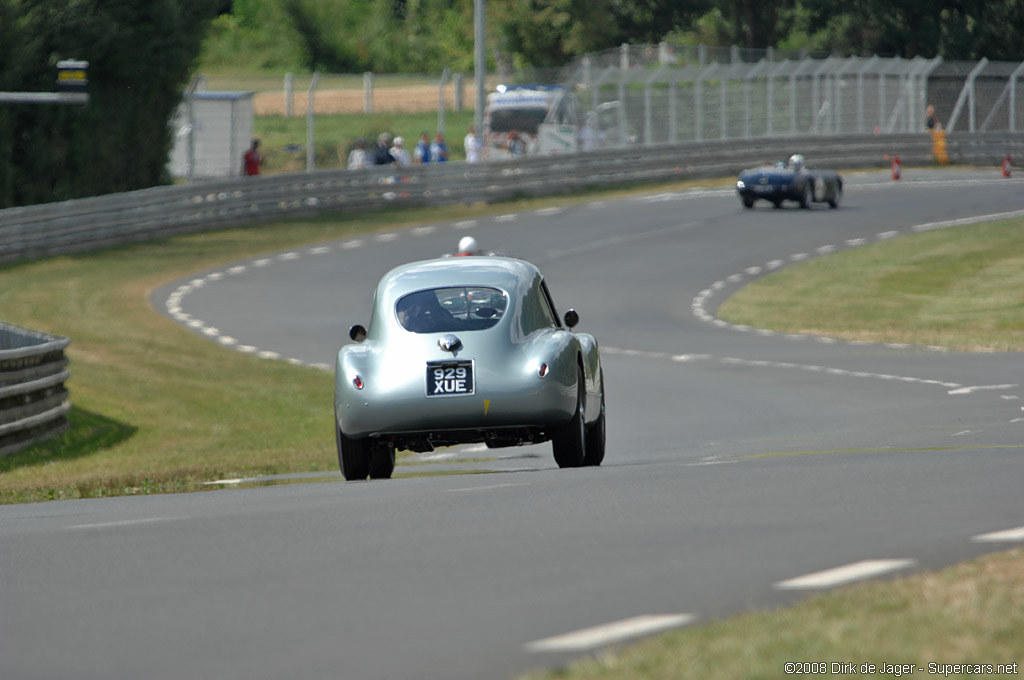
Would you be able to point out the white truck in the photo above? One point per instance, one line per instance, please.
(524, 120)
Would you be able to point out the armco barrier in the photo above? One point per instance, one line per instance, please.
(85, 224)
(33, 399)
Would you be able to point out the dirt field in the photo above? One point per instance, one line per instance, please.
(415, 98)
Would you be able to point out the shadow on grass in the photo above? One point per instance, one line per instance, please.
(88, 433)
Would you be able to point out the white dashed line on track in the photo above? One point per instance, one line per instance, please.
(1005, 536)
(829, 578)
(599, 636)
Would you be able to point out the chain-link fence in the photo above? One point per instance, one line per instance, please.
(664, 94)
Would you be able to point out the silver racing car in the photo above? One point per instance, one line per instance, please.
(466, 350)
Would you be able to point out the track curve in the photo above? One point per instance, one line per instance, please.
(738, 461)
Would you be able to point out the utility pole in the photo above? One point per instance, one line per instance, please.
(479, 64)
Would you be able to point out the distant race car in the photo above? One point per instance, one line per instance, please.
(789, 182)
(466, 350)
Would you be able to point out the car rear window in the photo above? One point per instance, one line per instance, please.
(447, 310)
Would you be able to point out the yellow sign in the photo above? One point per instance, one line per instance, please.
(939, 147)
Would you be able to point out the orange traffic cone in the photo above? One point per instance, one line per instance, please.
(895, 167)
(1006, 167)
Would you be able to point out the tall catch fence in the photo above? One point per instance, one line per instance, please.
(664, 94)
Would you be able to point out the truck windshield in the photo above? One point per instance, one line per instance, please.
(523, 120)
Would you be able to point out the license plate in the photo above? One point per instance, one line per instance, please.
(763, 188)
(449, 378)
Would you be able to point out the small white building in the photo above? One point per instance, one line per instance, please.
(212, 131)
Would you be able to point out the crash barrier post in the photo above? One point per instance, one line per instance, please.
(78, 225)
(33, 400)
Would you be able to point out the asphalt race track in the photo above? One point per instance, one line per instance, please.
(738, 462)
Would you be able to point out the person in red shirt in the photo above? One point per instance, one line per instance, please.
(253, 159)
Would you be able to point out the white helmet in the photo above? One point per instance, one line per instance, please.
(467, 246)
(796, 162)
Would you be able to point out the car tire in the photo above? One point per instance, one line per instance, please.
(595, 437)
(569, 443)
(834, 202)
(382, 461)
(805, 197)
(353, 456)
(748, 201)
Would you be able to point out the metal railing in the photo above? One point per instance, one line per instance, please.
(84, 224)
(33, 400)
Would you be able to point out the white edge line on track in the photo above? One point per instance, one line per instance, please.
(488, 487)
(598, 636)
(857, 571)
(124, 523)
(1006, 536)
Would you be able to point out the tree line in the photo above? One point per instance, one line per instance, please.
(142, 53)
(428, 35)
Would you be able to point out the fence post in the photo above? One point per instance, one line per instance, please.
(289, 93)
(457, 87)
(310, 111)
(445, 75)
(368, 92)
(189, 93)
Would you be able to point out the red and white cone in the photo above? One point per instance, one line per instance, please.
(1007, 167)
(896, 167)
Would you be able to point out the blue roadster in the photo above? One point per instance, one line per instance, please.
(791, 181)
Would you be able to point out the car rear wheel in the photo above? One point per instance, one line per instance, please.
(836, 198)
(353, 456)
(382, 461)
(805, 197)
(594, 443)
(569, 443)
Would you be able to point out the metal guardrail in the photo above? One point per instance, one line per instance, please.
(85, 224)
(33, 400)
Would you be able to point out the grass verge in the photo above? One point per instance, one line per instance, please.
(968, 614)
(960, 288)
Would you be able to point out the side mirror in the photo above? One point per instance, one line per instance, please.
(571, 318)
(357, 333)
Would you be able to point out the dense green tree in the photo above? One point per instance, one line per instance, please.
(550, 32)
(140, 54)
(952, 29)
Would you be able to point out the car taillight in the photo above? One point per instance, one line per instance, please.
(358, 382)
(543, 370)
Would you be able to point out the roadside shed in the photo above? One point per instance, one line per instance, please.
(212, 130)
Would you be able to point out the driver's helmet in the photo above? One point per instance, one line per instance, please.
(467, 246)
(796, 162)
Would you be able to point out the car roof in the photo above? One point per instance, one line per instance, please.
(506, 273)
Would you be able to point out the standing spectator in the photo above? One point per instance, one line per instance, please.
(359, 157)
(931, 120)
(472, 145)
(515, 144)
(438, 149)
(382, 150)
(588, 135)
(421, 154)
(253, 159)
(400, 153)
